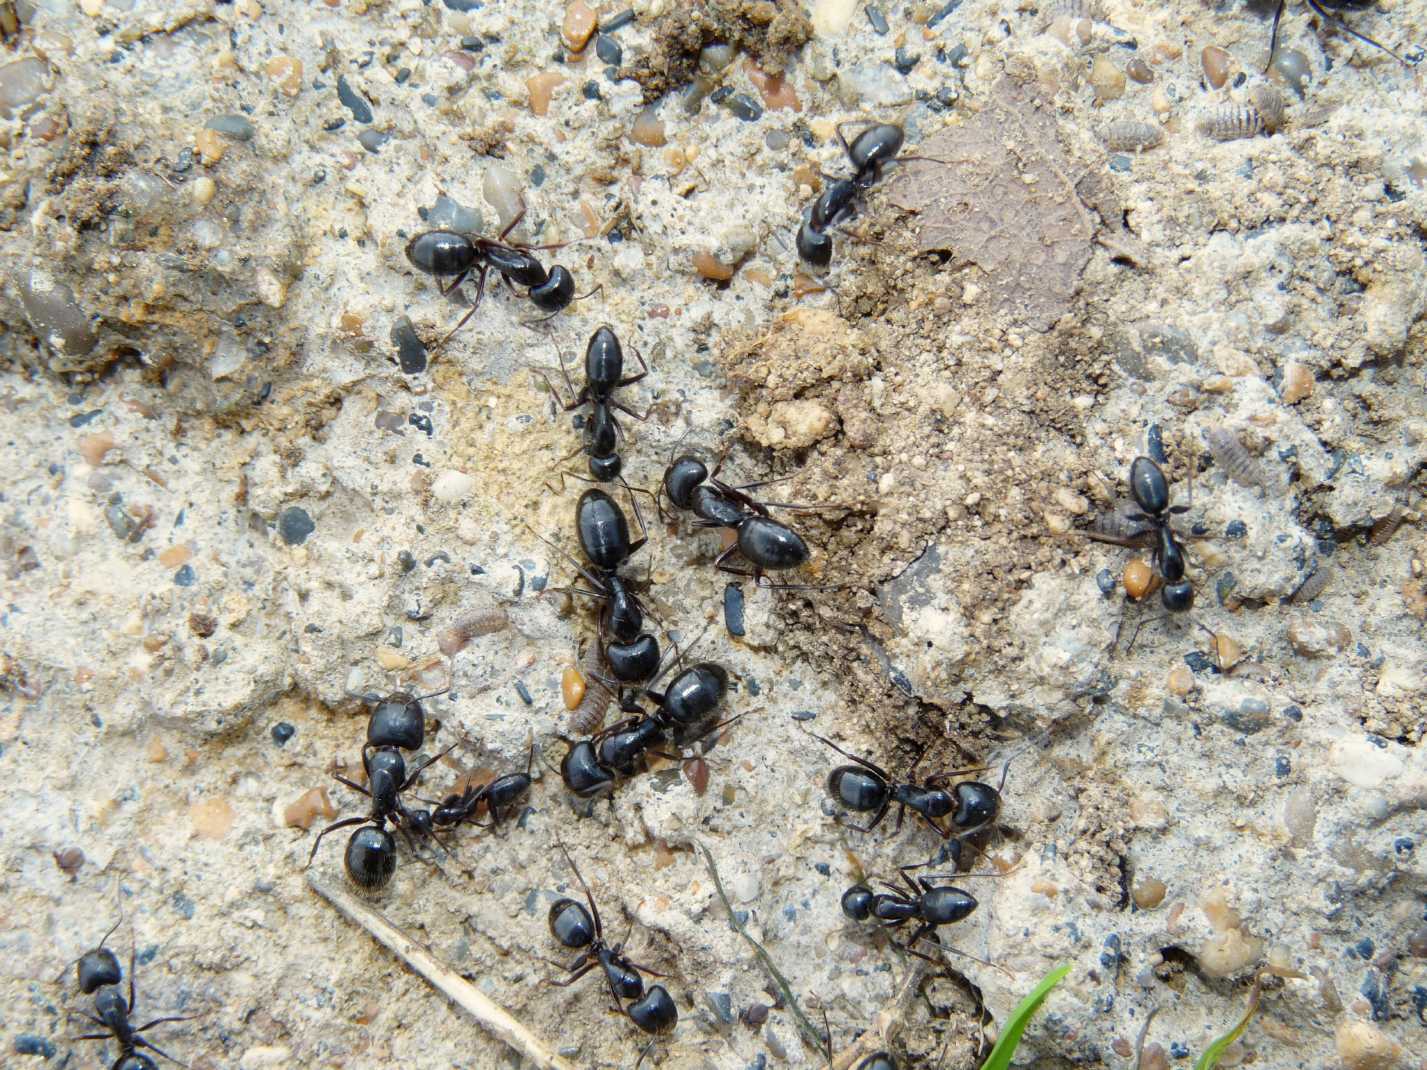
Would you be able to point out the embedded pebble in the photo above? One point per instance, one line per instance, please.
(714, 58)
(294, 525)
(355, 102)
(203, 189)
(303, 811)
(1217, 64)
(55, 314)
(22, 83)
(1227, 953)
(541, 88)
(579, 26)
(1107, 80)
(212, 818)
(237, 127)
(572, 687)
(1292, 68)
(1139, 71)
(501, 189)
(608, 50)
(1148, 893)
(1297, 382)
(453, 486)
(210, 145)
(648, 128)
(711, 267)
(410, 350)
(1363, 1046)
(286, 73)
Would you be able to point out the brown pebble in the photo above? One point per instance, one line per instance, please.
(648, 129)
(697, 771)
(1122, 1047)
(156, 751)
(286, 73)
(774, 89)
(1363, 1046)
(711, 267)
(212, 818)
(69, 860)
(1227, 650)
(572, 687)
(202, 625)
(579, 26)
(307, 808)
(1140, 71)
(1154, 1057)
(663, 857)
(1148, 893)
(1297, 382)
(1417, 942)
(754, 1015)
(210, 146)
(176, 556)
(1181, 681)
(93, 447)
(1107, 80)
(1138, 579)
(1217, 64)
(464, 60)
(542, 87)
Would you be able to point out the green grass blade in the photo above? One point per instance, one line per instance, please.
(1010, 1037)
(1211, 1056)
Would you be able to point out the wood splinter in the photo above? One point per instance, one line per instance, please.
(491, 1017)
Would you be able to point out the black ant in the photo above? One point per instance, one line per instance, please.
(591, 767)
(499, 796)
(870, 153)
(370, 858)
(604, 374)
(866, 787)
(99, 975)
(398, 720)
(932, 905)
(1150, 491)
(456, 255)
(768, 544)
(652, 1010)
(1321, 7)
(631, 653)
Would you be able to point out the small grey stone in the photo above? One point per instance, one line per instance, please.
(237, 127)
(372, 140)
(356, 104)
(608, 50)
(294, 525)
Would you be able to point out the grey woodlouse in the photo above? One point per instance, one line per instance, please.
(588, 717)
(1132, 135)
(1241, 466)
(1263, 114)
(1385, 528)
(1314, 584)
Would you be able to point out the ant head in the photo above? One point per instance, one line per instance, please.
(98, 968)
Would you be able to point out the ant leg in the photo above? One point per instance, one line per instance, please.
(456, 281)
(589, 896)
(513, 223)
(350, 783)
(133, 960)
(871, 825)
(1317, 6)
(643, 531)
(568, 981)
(631, 379)
(860, 761)
(480, 292)
(161, 1021)
(411, 776)
(622, 407)
(864, 123)
(346, 822)
(590, 293)
(142, 1043)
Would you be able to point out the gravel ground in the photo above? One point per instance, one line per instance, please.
(250, 486)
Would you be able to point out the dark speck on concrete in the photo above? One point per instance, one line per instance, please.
(537, 176)
(803, 715)
(733, 609)
(1121, 163)
(1178, 1049)
(410, 352)
(236, 127)
(183, 905)
(608, 50)
(1223, 586)
(356, 104)
(877, 19)
(282, 732)
(946, 9)
(185, 576)
(722, 1004)
(591, 90)
(618, 19)
(372, 140)
(464, 5)
(1235, 529)
(1293, 713)
(1403, 845)
(29, 1044)
(1199, 662)
(1282, 766)
(823, 868)
(1105, 580)
(524, 693)
(745, 108)
(294, 525)
(905, 61)
(79, 419)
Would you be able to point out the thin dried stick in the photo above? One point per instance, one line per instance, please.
(491, 1017)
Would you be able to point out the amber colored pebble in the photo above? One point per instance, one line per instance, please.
(212, 818)
(286, 73)
(93, 447)
(1140, 71)
(579, 26)
(542, 87)
(211, 145)
(648, 129)
(697, 770)
(1148, 893)
(1139, 578)
(711, 267)
(307, 808)
(572, 687)
(1217, 63)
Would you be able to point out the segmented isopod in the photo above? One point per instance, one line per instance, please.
(1117, 523)
(588, 717)
(1231, 122)
(1385, 528)
(1237, 462)
(1313, 586)
(1131, 135)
